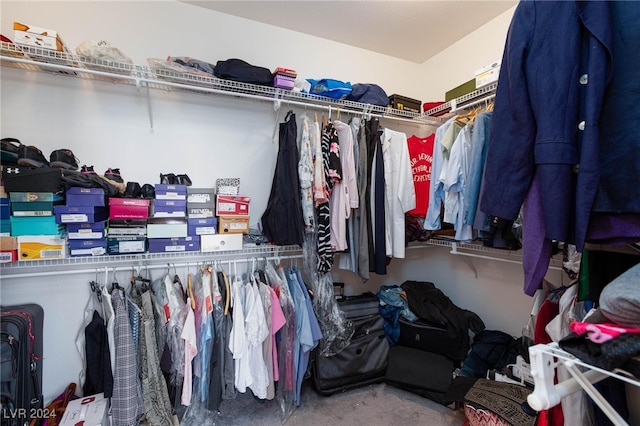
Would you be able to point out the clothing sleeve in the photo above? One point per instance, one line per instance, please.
(406, 189)
(510, 160)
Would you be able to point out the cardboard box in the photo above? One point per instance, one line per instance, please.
(232, 205)
(228, 186)
(463, 89)
(220, 242)
(86, 231)
(45, 225)
(203, 226)
(32, 247)
(88, 411)
(32, 197)
(201, 211)
(128, 208)
(5, 209)
(405, 103)
(31, 208)
(487, 74)
(233, 224)
(27, 179)
(126, 244)
(85, 197)
(8, 249)
(169, 208)
(173, 245)
(94, 247)
(284, 82)
(5, 227)
(170, 192)
(166, 228)
(80, 214)
(200, 195)
(31, 35)
(116, 227)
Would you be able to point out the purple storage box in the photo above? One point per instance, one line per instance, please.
(80, 214)
(170, 245)
(88, 247)
(85, 196)
(284, 82)
(202, 226)
(86, 231)
(169, 208)
(170, 192)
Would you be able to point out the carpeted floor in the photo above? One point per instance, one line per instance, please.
(373, 405)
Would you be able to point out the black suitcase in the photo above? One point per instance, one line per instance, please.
(431, 338)
(424, 373)
(364, 360)
(21, 363)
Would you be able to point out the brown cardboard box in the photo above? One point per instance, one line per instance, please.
(233, 224)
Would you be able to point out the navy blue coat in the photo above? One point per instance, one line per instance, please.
(555, 69)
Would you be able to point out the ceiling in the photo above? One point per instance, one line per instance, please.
(411, 30)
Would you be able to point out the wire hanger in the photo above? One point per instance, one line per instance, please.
(114, 284)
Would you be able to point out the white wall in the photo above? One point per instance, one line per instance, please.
(457, 64)
(108, 125)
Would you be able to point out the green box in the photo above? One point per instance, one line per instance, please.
(461, 90)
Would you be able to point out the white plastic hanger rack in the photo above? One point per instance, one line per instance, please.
(544, 361)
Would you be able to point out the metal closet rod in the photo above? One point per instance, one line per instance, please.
(143, 266)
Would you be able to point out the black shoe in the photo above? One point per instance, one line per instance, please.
(114, 175)
(30, 156)
(64, 159)
(168, 179)
(10, 148)
(183, 180)
(133, 190)
(148, 191)
(87, 170)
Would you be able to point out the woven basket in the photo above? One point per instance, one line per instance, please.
(482, 417)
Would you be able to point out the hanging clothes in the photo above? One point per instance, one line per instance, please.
(305, 174)
(421, 159)
(399, 190)
(376, 201)
(557, 137)
(155, 396)
(333, 172)
(124, 403)
(433, 219)
(344, 195)
(282, 220)
(362, 216)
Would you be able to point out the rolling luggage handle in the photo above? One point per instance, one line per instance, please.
(37, 401)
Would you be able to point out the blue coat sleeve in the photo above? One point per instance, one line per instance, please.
(510, 161)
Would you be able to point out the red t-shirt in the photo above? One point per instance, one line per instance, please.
(421, 155)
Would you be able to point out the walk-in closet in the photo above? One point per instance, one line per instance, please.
(149, 120)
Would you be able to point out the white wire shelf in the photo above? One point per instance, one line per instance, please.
(483, 94)
(82, 264)
(46, 60)
(478, 250)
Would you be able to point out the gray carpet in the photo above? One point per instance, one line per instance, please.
(373, 405)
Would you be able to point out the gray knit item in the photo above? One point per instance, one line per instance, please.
(620, 299)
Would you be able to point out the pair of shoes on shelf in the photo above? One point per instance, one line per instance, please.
(173, 179)
(114, 175)
(87, 170)
(10, 149)
(31, 156)
(134, 190)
